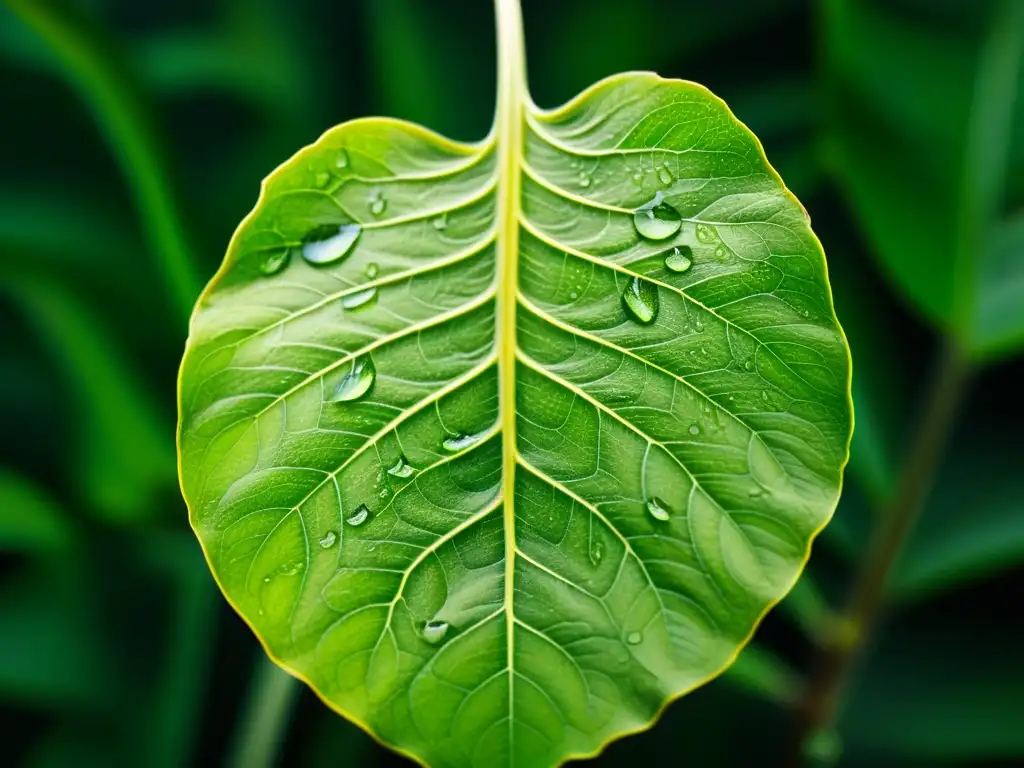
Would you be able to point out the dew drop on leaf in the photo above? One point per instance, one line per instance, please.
(596, 552)
(584, 179)
(377, 204)
(434, 631)
(634, 638)
(749, 365)
(402, 468)
(358, 299)
(322, 179)
(341, 161)
(665, 175)
(694, 429)
(657, 220)
(641, 300)
(457, 443)
(359, 516)
(706, 233)
(356, 382)
(440, 223)
(657, 509)
(275, 261)
(679, 259)
(327, 244)
(372, 270)
(328, 541)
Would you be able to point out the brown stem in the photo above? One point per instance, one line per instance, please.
(847, 635)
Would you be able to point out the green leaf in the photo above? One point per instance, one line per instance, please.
(124, 460)
(924, 153)
(999, 317)
(94, 65)
(472, 460)
(973, 525)
(29, 520)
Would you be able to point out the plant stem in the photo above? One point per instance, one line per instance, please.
(851, 629)
(118, 107)
(264, 725)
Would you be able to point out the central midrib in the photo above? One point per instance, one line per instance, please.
(509, 136)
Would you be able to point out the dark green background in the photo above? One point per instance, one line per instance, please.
(906, 147)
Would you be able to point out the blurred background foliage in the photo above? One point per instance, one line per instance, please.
(134, 139)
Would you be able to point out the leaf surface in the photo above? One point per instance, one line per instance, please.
(474, 460)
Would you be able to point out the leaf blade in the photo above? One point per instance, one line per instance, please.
(410, 582)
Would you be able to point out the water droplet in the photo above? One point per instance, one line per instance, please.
(634, 638)
(805, 313)
(326, 244)
(266, 579)
(357, 382)
(764, 395)
(749, 365)
(657, 220)
(275, 261)
(440, 223)
(720, 252)
(372, 270)
(706, 233)
(657, 509)
(641, 300)
(574, 295)
(596, 552)
(359, 516)
(377, 203)
(698, 326)
(694, 429)
(665, 175)
(679, 259)
(584, 179)
(457, 443)
(638, 177)
(358, 299)
(328, 541)
(402, 468)
(341, 161)
(434, 631)
(322, 179)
